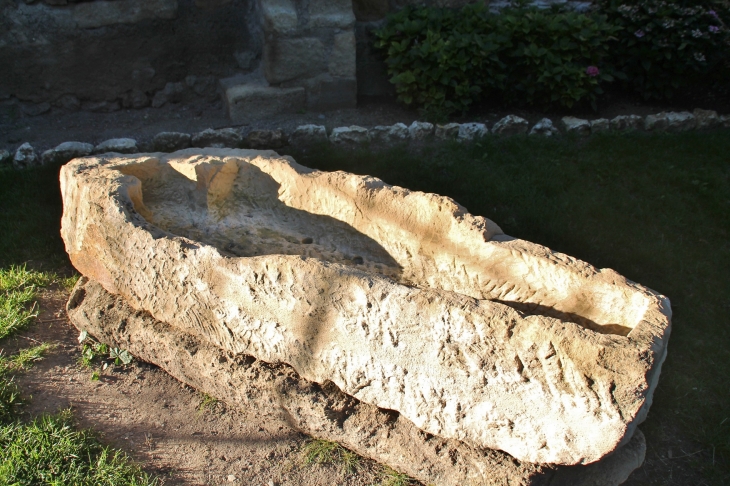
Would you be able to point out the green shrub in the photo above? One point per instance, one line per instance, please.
(445, 60)
(441, 59)
(555, 57)
(664, 46)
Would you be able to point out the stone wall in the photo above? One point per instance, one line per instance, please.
(106, 54)
(275, 55)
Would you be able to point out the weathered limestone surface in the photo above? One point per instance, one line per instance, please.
(600, 125)
(420, 130)
(308, 135)
(25, 157)
(324, 411)
(670, 122)
(171, 141)
(511, 125)
(118, 145)
(402, 299)
(447, 132)
(66, 151)
(706, 119)
(626, 122)
(576, 125)
(471, 131)
(389, 134)
(545, 128)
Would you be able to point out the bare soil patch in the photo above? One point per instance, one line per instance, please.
(168, 427)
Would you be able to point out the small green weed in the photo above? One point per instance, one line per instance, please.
(318, 451)
(206, 402)
(92, 349)
(391, 477)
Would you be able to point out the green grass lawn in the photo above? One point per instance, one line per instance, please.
(656, 208)
(48, 449)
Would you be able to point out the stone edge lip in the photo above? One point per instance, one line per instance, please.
(650, 334)
(316, 411)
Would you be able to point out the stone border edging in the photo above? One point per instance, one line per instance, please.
(354, 136)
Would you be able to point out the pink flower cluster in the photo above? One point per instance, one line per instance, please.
(592, 71)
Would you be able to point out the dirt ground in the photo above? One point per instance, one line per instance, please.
(166, 426)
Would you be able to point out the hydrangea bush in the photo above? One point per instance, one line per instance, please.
(663, 46)
(444, 59)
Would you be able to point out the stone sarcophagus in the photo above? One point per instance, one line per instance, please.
(402, 300)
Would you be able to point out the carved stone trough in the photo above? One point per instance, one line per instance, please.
(402, 300)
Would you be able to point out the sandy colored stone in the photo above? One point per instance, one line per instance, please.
(511, 125)
(447, 132)
(626, 122)
(171, 141)
(576, 125)
(545, 128)
(277, 391)
(305, 135)
(600, 125)
(25, 157)
(472, 131)
(118, 145)
(706, 119)
(670, 122)
(390, 134)
(402, 299)
(66, 151)
(420, 130)
(349, 136)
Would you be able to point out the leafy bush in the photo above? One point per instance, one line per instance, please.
(555, 57)
(444, 60)
(441, 59)
(663, 45)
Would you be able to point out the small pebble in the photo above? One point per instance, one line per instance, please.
(231, 478)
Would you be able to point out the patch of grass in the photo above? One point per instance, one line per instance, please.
(654, 207)
(24, 359)
(18, 287)
(68, 283)
(10, 399)
(319, 451)
(207, 402)
(391, 477)
(50, 450)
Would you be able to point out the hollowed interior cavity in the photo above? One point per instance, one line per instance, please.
(238, 208)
